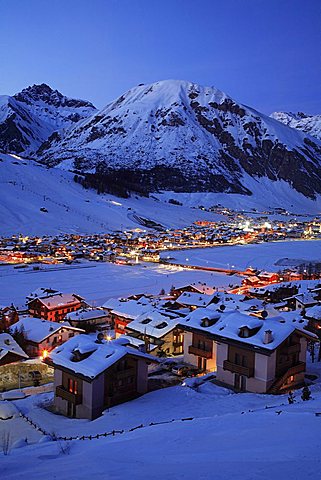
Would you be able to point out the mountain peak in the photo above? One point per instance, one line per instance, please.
(169, 92)
(43, 92)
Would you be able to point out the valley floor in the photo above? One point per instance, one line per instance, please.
(271, 256)
(99, 281)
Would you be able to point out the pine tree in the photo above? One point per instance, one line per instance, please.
(306, 393)
(291, 398)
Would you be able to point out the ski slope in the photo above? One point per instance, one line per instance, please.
(26, 186)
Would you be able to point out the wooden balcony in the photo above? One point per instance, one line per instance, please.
(128, 372)
(66, 395)
(293, 349)
(233, 367)
(199, 352)
(294, 370)
(287, 369)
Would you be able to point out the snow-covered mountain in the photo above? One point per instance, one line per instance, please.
(181, 136)
(30, 117)
(310, 124)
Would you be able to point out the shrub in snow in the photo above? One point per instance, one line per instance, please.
(64, 447)
(8, 410)
(22, 442)
(45, 438)
(306, 393)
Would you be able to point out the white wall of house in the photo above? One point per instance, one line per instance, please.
(193, 359)
(264, 370)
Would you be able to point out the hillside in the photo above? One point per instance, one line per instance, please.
(27, 186)
(177, 135)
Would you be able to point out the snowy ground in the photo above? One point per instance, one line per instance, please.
(230, 436)
(262, 255)
(102, 280)
(267, 195)
(26, 186)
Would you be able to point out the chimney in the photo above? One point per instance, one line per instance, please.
(100, 338)
(268, 337)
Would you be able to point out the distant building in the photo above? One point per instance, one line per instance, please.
(41, 336)
(54, 307)
(10, 351)
(88, 319)
(159, 331)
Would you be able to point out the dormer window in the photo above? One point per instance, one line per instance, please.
(246, 332)
(161, 325)
(206, 322)
(147, 320)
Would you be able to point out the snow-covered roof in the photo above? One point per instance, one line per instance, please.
(154, 323)
(9, 345)
(228, 326)
(37, 329)
(314, 312)
(305, 298)
(200, 287)
(194, 299)
(42, 292)
(98, 356)
(59, 300)
(85, 314)
(131, 309)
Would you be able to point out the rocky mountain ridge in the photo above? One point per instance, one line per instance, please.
(169, 135)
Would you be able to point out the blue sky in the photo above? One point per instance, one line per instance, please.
(264, 53)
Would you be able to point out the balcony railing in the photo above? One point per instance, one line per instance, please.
(125, 373)
(199, 352)
(75, 398)
(294, 370)
(288, 369)
(292, 349)
(233, 367)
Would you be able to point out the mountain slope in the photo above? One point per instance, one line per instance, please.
(181, 136)
(27, 187)
(28, 118)
(310, 124)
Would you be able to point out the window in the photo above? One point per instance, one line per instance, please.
(72, 386)
(237, 359)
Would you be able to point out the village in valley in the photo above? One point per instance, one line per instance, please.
(160, 240)
(258, 333)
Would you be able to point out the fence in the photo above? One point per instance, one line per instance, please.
(55, 437)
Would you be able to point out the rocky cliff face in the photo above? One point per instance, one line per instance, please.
(30, 117)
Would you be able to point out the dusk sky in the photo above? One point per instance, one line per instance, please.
(263, 53)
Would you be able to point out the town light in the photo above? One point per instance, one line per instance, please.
(44, 355)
